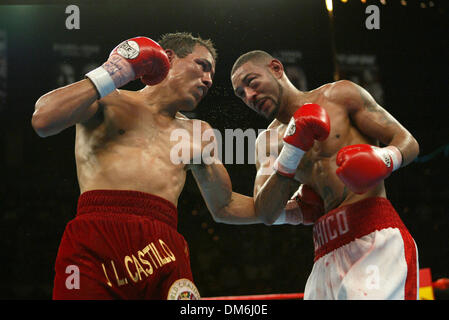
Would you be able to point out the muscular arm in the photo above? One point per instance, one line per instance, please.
(215, 186)
(374, 121)
(64, 107)
(271, 190)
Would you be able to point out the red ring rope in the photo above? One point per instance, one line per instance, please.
(442, 284)
(275, 296)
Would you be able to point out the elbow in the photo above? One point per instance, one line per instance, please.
(39, 121)
(416, 144)
(218, 219)
(264, 217)
(267, 221)
(39, 125)
(219, 215)
(413, 147)
(216, 214)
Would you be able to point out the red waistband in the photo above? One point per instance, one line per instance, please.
(128, 202)
(347, 223)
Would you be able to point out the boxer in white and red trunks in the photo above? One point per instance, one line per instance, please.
(363, 251)
(329, 138)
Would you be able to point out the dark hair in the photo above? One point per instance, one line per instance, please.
(256, 55)
(183, 43)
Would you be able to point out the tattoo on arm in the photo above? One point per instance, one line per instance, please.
(371, 106)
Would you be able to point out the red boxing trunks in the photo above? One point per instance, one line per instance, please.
(123, 245)
(363, 251)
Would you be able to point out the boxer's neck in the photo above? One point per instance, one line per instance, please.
(292, 99)
(160, 101)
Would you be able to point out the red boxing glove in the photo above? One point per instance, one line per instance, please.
(305, 207)
(135, 58)
(363, 166)
(309, 123)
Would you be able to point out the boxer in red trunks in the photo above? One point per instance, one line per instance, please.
(123, 242)
(329, 139)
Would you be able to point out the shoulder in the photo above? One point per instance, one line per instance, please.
(181, 116)
(275, 124)
(338, 88)
(343, 91)
(197, 128)
(203, 125)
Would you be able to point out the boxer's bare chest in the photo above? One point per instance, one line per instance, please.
(341, 134)
(134, 147)
(318, 166)
(137, 128)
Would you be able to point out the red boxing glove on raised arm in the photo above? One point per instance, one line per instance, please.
(309, 123)
(363, 166)
(305, 207)
(135, 58)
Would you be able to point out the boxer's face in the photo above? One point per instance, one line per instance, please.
(191, 77)
(258, 88)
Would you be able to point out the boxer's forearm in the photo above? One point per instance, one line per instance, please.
(224, 205)
(63, 107)
(272, 197)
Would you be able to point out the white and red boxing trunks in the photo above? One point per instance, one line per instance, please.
(363, 251)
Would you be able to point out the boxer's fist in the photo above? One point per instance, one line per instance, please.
(363, 166)
(135, 58)
(309, 123)
(146, 58)
(305, 207)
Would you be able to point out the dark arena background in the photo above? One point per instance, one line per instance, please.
(402, 62)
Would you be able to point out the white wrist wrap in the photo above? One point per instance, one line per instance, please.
(102, 81)
(396, 156)
(289, 159)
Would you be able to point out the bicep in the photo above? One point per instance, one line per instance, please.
(264, 171)
(264, 160)
(268, 146)
(211, 176)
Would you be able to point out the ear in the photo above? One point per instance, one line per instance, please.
(276, 68)
(171, 55)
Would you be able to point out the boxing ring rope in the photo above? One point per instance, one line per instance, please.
(441, 284)
(274, 296)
